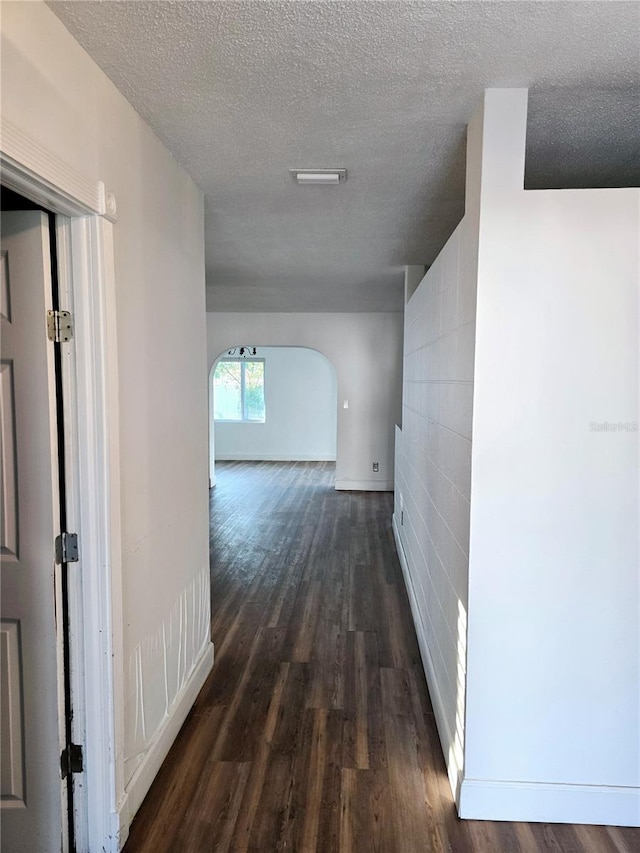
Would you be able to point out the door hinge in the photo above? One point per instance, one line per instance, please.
(59, 326)
(71, 760)
(67, 548)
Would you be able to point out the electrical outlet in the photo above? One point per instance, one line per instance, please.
(376, 467)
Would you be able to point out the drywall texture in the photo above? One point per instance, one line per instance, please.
(552, 718)
(55, 94)
(433, 478)
(553, 639)
(300, 390)
(366, 352)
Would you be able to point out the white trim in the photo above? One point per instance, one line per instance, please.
(275, 457)
(454, 771)
(544, 802)
(162, 741)
(99, 523)
(212, 428)
(91, 417)
(37, 173)
(364, 485)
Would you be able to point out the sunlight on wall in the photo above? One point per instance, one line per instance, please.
(456, 750)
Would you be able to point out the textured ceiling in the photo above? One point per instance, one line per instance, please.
(242, 91)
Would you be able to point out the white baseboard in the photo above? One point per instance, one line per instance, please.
(364, 486)
(549, 803)
(454, 770)
(148, 768)
(275, 457)
(479, 799)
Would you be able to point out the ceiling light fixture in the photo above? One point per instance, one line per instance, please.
(322, 177)
(243, 351)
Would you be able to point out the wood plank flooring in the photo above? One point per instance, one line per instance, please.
(315, 731)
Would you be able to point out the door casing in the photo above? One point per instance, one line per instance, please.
(84, 232)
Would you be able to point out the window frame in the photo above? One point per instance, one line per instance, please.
(244, 419)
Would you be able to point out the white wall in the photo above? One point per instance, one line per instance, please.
(54, 93)
(366, 352)
(433, 469)
(300, 390)
(433, 472)
(552, 718)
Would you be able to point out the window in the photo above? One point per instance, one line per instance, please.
(238, 390)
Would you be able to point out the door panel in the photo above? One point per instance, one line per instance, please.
(8, 464)
(11, 730)
(31, 795)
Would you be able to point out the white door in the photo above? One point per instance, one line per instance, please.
(32, 789)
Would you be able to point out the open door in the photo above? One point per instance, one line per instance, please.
(34, 813)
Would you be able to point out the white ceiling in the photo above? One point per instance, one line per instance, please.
(242, 91)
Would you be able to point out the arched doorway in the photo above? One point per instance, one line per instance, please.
(272, 403)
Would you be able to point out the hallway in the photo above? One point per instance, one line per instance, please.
(315, 731)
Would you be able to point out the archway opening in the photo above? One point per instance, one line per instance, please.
(272, 403)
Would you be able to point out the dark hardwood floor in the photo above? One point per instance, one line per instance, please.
(315, 731)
